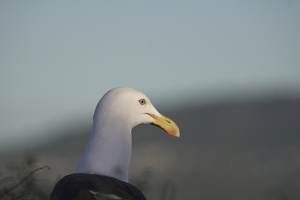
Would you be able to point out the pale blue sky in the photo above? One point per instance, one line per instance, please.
(57, 58)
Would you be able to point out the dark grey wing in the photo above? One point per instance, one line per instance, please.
(82, 186)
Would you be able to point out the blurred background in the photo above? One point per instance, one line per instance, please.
(228, 72)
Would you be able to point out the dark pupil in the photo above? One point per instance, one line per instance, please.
(142, 101)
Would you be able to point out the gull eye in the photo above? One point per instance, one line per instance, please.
(142, 101)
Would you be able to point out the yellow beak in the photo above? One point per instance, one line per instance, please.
(166, 124)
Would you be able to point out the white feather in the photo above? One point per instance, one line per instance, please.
(108, 151)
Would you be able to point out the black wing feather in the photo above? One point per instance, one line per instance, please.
(78, 186)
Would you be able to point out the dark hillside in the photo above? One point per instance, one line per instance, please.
(230, 150)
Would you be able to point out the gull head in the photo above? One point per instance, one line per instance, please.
(131, 108)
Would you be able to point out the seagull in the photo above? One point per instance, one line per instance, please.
(102, 172)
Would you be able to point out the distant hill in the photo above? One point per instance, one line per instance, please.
(227, 150)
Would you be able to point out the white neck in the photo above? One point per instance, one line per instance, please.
(107, 153)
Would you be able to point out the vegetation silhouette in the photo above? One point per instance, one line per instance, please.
(21, 181)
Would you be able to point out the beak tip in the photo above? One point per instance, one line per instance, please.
(173, 132)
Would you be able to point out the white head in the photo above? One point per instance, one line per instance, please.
(131, 107)
(109, 149)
